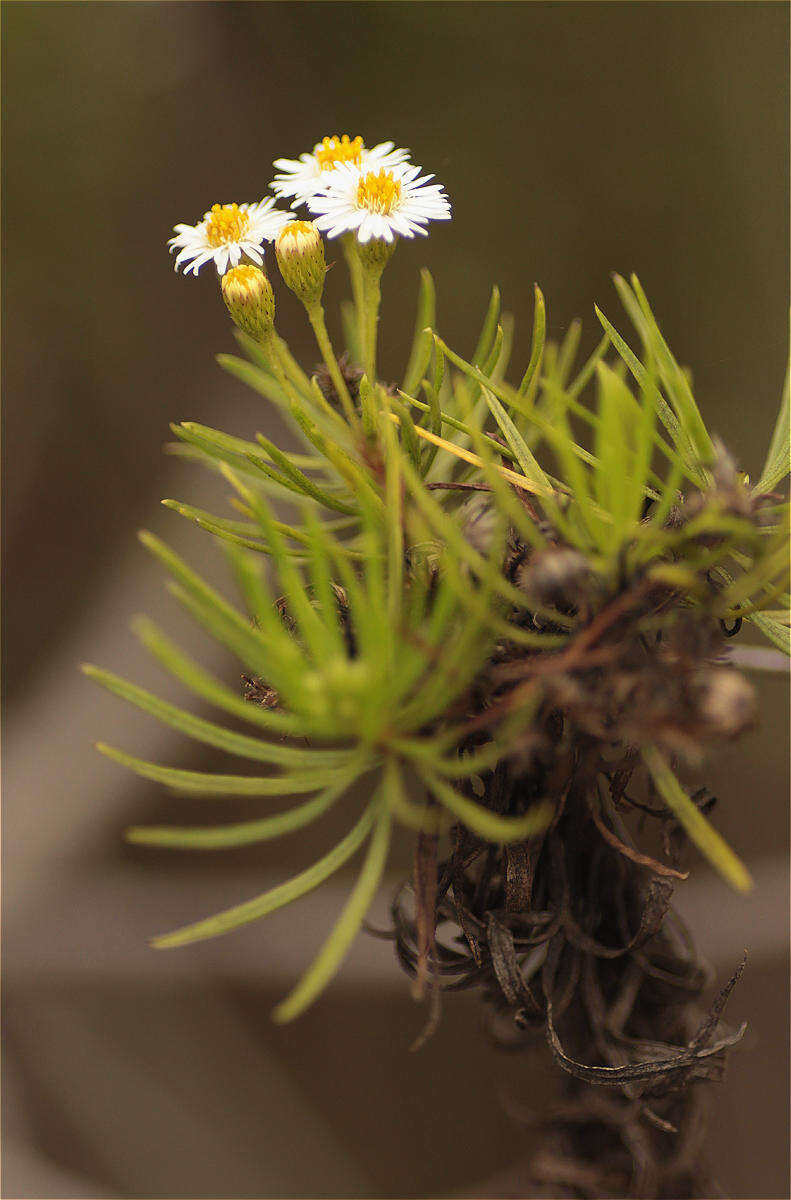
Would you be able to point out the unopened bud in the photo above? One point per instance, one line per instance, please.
(250, 300)
(300, 256)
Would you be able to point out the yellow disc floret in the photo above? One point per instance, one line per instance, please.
(226, 223)
(333, 150)
(378, 192)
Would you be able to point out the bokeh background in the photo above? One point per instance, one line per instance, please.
(574, 140)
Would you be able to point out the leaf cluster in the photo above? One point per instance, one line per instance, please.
(412, 559)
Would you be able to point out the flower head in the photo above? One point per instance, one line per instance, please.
(226, 232)
(379, 203)
(307, 175)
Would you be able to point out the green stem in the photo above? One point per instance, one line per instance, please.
(315, 313)
(352, 472)
(293, 368)
(349, 244)
(372, 297)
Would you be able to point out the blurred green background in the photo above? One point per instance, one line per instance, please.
(574, 140)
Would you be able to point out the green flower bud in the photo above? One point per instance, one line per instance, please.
(300, 256)
(250, 300)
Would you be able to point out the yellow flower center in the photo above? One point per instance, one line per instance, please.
(227, 223)
(333, 150)
(378, 192)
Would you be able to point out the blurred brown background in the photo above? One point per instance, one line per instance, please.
(574, 140)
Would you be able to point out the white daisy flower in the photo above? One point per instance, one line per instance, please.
(384, 203)
(305, 176)
(226, 232)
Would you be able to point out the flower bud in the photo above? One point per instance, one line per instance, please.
(300, 256)
(250, 300)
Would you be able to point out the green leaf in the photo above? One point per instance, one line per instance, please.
(408, 435)
(219, 617)
(491, 826)
(516, 443)
(323, 585)
(450, 533)
(420, 354)
(298, 480)
(225, 530)
(567, 352)
(778, 459)
(204, 685)
(500, 367)
(285, 667)
(491, 361)
(777, 633)
(488, 332)
(692, 820)
(584, 376)
(673, 376)
(200, 517)
(423, 818)
(250, 580)
(278, 897)
(664, 411)
(215, 735)
(623, 448)
(348, 925)
(253, 377)
(203, 783)
(527, 388)
(245, 833)
(317, 639)
(439, 418)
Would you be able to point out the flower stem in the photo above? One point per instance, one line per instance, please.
(374, 255)
(315, 313)
(350, 253)
(372, 296)
(293, 368)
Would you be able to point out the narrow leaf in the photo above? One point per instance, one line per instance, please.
(420, 353)
(215, 735)
(202, 783)
(692, 820)
(278, 897)
(245, 833)
(491, 826)
(348, 925)
(488, 332)
(527, 387)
